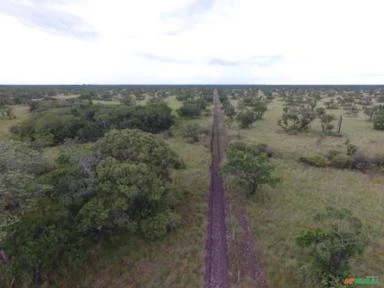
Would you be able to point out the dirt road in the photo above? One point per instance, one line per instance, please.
(216, 261)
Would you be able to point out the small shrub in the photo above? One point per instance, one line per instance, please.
(238, 145)
(334, 238)
(342, 161)
(265, 148)
(378, 160)
(332, 153)
(378, 120)
(191, 132)
(351, 148)
(246, 118)
(190, 109)
(159, 225)
(360, 161)
(316, 160)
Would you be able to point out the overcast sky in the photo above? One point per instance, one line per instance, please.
(191, 42)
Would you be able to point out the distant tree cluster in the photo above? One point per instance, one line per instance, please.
(54, 122)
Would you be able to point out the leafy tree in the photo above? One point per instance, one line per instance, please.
(335, 238)
(190, 109)
(259, 108)
(136, 146)
(246, 118)
(296, 119)
(250, 166)
(152, 118)
(325, 120)
(229, 110)
(41, 243)
(125, 194)
(378, 120)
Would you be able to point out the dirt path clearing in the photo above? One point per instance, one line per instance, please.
(216, 261)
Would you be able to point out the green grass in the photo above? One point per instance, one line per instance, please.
(173, 103)
(21, 112)
(278, 214)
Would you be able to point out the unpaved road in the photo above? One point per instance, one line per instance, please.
(216, 261)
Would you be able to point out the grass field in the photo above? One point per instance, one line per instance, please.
(278, 214)
(173, 103)
(178, 259)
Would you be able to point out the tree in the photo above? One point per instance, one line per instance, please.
(246, 118)
(126, 193)
(152, 118)
(335, 238)
(137, 146)
(229, 110)
(259, 108)
(190, 109)
(378, 120)
(250, 166)
(296, 119)
(325, 120)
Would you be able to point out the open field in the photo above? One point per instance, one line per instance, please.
(278, 214)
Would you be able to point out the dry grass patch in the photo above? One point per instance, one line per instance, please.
(278, 214)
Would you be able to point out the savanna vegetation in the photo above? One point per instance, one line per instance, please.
(322, 221)
(105, 186)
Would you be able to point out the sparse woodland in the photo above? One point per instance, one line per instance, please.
(106, 185)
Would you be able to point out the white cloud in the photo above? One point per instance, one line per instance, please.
(192, 41)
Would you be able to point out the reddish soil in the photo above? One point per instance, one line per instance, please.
(216, 261)
(250, 253)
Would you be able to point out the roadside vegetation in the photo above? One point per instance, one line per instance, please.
(325, 128)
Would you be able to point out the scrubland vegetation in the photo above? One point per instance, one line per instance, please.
(106, 186)
(319, 168)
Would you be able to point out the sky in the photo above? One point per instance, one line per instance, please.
(191, 42)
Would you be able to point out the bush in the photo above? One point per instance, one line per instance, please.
(378, 120)
(378, 160)
(360, 161)
(332, 153)
(296, 119)
(316, 160)
(342, 161)
(335, 238)
(265, 148)
(191, 132)
(158, 226)
(190, 109)
(246, 118)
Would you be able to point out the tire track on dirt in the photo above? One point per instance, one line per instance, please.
(216, 261)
